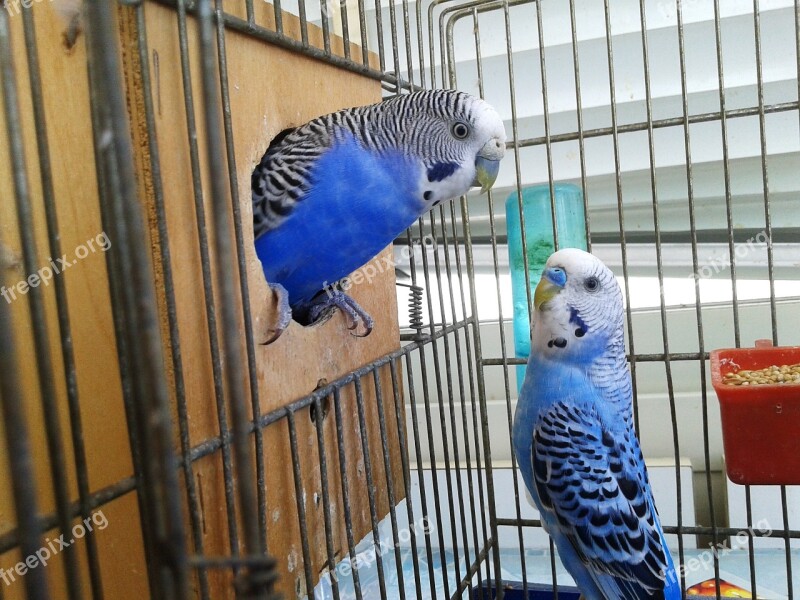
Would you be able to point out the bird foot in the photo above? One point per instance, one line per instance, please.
(284, 312)
(323, 307)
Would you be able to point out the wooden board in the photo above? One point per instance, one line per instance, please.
(66, 103)
(270, 89)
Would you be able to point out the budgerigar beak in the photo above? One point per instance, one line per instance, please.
(551, 283)
(485, 172)
(487, 163)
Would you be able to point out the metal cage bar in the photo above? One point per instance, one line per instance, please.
(169, 294)
(17, 436)
(205, 262)
(137, 332)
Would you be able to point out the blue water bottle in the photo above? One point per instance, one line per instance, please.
(537, 212)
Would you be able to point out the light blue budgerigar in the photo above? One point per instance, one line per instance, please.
(329, 195)
(574, 439)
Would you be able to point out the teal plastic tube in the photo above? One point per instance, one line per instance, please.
(539, 242)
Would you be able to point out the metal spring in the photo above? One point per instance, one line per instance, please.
(415, 307)
(414, 311)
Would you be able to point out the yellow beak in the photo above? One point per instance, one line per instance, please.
(545, 291)
(485, 172)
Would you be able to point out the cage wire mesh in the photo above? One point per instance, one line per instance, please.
(679, 123)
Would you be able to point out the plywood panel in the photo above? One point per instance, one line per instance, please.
(270, 89)
(66, 106)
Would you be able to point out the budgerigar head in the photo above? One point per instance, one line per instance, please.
(459, 139)
(579, 313)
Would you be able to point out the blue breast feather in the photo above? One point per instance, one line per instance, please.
(357, 203)
(584, 469)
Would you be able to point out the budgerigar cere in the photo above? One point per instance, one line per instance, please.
(330, 195)
(574, 440)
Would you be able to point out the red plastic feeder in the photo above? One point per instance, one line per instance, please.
(760, 423)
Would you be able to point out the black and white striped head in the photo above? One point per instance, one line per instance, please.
(579, 312)
(459, 138)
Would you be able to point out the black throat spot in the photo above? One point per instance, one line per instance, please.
(575, 317)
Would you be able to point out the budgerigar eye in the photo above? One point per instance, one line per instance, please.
(460, 130)
(592, 284)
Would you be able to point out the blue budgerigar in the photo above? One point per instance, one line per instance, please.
(575, 442)
(329, 195)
